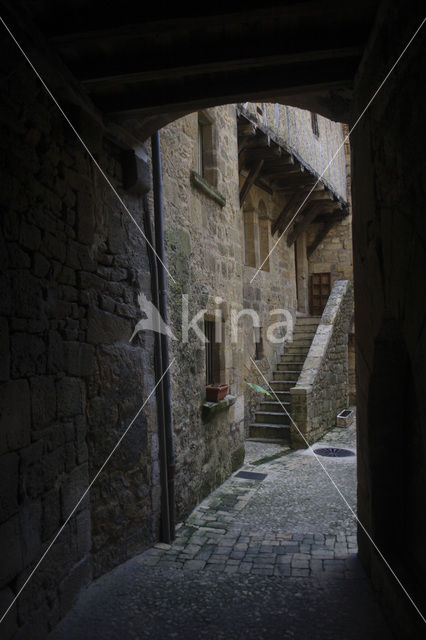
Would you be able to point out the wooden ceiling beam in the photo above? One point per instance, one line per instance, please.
(264, 186)
(325, 195)
(274, 154)
(246, 129)
(287, 169)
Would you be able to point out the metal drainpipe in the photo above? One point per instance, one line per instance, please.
(165, 523)
(159, 247)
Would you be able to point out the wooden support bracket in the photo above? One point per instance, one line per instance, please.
(250, 180)
(296, 201)
(304, 219)
(321, 234)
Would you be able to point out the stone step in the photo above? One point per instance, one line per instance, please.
(299, 353)
(271, 441)
(274, 405)
(288, 384)
(270, 431)
(300, 343)
(307, 320)
(277, 387)
(308, 327)
(293, 349)
(283, 366)
(311, 326)
(271, 417)
(295, 360)
(303, 335)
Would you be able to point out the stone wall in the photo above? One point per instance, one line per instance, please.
(388, 172)
(71, 265)
(204, 256)
(321, 391)
(334, 254)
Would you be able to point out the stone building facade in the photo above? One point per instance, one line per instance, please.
(214, 248)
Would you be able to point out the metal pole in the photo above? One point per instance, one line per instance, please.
(159, 247)
(165, 521)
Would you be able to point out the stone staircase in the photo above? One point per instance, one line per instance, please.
(271, 423)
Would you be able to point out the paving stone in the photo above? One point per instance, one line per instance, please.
(194, 565)
(299, 572)
(282, 570)
(263, 571)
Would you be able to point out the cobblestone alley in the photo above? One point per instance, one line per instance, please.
(270, 557)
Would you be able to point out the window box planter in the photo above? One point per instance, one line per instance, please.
(216, 392)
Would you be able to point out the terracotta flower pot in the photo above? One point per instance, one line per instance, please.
(215, 393)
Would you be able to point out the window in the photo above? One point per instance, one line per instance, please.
(213, 372)
(206, 148)
(258, 336)
(264, 243)
(250, 237)
(256, 238)
(314, 124)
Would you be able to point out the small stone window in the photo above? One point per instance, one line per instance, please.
(314, 124)
(206, 148)
(256, 238)
(250, 237)
(213, 354)
(258, 337)
(264, 243)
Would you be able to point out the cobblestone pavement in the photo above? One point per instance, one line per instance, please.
(270, 557)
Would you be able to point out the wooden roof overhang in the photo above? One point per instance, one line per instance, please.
(267, 161)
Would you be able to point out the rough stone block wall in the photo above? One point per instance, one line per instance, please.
(71, 265)
(388, 174)
(334, 254)
(322, 388)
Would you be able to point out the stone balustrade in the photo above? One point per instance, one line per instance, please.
(321, 391)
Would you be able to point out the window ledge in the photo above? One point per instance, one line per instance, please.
(207, 188)
(209, 409)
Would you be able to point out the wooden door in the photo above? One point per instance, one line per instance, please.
(320, 290)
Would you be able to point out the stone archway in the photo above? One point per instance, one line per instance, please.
(389, 233)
